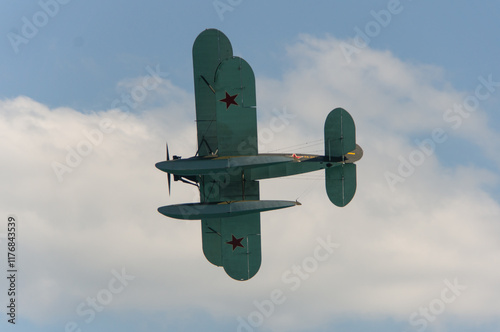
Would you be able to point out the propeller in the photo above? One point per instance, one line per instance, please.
(168, 174)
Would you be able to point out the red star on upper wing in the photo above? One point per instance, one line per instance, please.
(235, 242)
(229, 100)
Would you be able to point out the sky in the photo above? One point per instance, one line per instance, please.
(91, 91)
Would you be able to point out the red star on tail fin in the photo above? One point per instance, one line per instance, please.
(229, 100)
(235, 242)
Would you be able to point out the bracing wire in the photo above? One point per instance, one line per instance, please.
(300, 146)
(309, 188)
(312, 181)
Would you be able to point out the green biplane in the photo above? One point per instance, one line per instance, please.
(227, 166)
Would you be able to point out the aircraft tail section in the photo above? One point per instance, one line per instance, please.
(342, 151)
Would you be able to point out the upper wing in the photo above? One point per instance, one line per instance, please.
(241, 255)
(236, 108)
(241, 248)
(209, 49)
(233, 243)
(225, 98)
(227, 126)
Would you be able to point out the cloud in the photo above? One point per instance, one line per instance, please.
(397, 244)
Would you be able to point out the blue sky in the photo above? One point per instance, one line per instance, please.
(421, 234)
(87, 47)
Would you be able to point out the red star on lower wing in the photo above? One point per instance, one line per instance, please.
(235, 242)
(229, 100)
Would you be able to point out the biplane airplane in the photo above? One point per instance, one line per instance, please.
(227, 166)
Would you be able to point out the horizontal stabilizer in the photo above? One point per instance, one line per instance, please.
(340, 133)
(341, 183)
(194, 211)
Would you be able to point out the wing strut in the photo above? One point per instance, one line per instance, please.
(188, 182)
(205, 80)
(213, 230)
(203, 140)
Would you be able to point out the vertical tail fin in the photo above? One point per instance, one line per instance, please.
(340, 141)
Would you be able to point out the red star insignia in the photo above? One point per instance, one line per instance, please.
(235, 242)
(229, 100)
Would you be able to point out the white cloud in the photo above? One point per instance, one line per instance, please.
(396, 246)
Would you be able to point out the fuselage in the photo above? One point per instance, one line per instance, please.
(255, 167)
